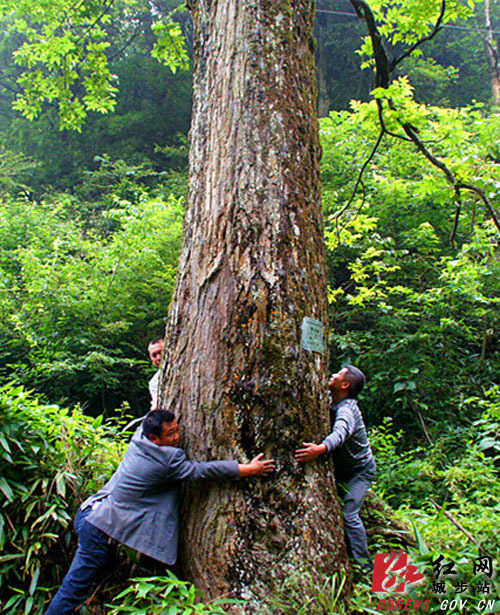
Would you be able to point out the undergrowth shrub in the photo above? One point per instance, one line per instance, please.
(450, 493)
(51, 458)
(461, 465)
(165, 594)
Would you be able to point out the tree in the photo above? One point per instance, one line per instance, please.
(398, 288)
(399, 116)
(491, 50)
(338, 34)
(63, 51)
(153, 103)
(252, 267)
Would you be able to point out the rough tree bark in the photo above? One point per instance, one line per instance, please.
(252, 266)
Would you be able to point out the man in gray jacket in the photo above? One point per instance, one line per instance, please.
(139, 505)
(352, 455)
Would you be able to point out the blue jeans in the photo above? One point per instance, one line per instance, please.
(86, 567)
(352, 490)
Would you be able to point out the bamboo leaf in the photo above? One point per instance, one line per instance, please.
(34, 581)
(4, 443)
(5, 488)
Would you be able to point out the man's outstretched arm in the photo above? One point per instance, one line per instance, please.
(181, 468)
(342, 429)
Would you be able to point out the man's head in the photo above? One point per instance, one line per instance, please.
(155, 350)
(160, 426)
(348, 382)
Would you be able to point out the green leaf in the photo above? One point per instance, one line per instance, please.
(29, 605)
(8, 558)
(61, 484)
(422, 547)
(6, 489)
(4, 443)
(34, 581)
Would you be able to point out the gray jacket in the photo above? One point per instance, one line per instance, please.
(139, 505)
(348, 440)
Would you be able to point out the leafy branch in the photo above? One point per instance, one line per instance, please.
(65, 55)
(384, 67)
(359, 179)
(419, 43)
(452, 179)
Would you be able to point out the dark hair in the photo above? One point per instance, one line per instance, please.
(356, 380)
(154, 421)
(155, 341)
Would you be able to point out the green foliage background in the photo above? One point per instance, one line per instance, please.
(419, 313)
(84, 286)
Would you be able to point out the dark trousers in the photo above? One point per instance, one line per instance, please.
(352, 490)
(86, 567)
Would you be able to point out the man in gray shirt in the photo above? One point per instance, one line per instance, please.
(139, 505)
(353, 458)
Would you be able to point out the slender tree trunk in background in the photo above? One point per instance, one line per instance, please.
(491, 49)
(253, 265)
(321, 61)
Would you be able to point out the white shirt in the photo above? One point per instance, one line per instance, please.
(153, 389)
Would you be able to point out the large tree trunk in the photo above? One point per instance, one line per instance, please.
(253, 265)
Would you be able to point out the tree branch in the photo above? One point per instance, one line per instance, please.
(119, 52)
(435, 30)
(484, 197)
(360, 174)
(382, 123)
(459, 526)
(457, 185)
(97, 20)
(383, 69)
(380, 53)
(412, 135)
(424, 427)
(458, 201)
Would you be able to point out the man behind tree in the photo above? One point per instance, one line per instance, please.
(155, 351)
(139, 505)
(353, 458)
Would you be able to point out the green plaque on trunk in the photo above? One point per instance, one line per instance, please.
(312, 334)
